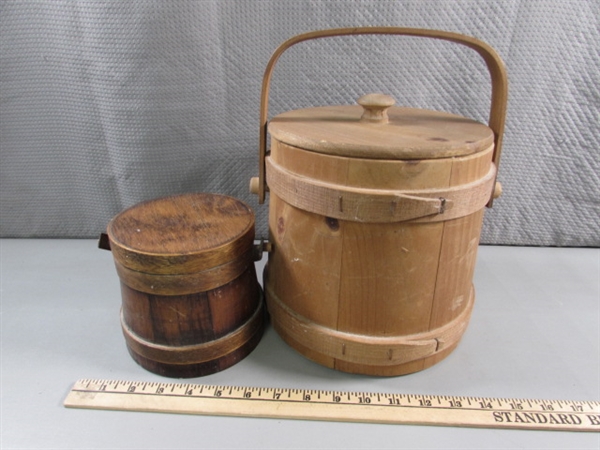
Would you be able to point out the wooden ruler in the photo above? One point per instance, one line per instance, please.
(335, 406)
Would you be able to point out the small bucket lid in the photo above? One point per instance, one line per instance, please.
(378, 130)
(182, 234)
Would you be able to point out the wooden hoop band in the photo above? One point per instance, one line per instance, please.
(186, 283)
(378, 205)
(193, 354)
(367, 350)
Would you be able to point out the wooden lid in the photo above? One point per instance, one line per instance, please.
(182, 234)
(378, 130)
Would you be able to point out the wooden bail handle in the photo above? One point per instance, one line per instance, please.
(491, 58)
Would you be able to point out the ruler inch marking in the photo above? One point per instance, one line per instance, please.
(560, 415)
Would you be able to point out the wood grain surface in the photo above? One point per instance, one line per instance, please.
(409, 133)
(182, 234)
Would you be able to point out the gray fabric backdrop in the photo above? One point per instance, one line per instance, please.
(105, 104)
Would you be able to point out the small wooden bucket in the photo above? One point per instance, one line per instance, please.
(192, 305)
(374, 220)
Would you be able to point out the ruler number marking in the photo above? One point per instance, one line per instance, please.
(364, 399)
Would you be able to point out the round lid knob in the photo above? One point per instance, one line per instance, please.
(375, 107)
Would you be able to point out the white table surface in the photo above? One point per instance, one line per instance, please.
(534, 333)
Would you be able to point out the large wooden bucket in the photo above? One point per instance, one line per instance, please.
(192, 305)
(374, 219)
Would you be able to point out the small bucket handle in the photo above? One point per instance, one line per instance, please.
(492, 59)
